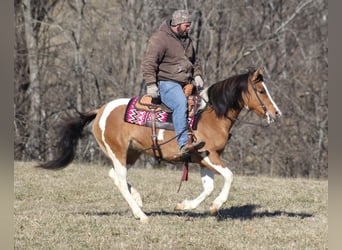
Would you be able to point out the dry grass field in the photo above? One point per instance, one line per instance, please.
(80, 208)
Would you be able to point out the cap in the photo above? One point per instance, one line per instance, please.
(180, 16)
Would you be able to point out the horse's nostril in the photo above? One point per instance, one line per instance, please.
(278, 113)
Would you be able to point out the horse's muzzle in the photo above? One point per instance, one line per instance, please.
(272, 118)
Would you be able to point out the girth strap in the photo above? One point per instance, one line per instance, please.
(155, 146)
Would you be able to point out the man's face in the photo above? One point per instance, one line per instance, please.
(183, 29)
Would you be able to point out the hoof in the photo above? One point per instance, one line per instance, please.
(179, 207)
(213, 211)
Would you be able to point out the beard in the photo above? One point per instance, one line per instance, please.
(182, 33)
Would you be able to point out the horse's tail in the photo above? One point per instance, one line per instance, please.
(70, 133)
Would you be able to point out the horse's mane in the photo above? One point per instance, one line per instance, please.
(226, 95)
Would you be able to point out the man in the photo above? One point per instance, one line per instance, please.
(170, 62)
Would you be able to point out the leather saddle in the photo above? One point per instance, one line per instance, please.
(147, 103)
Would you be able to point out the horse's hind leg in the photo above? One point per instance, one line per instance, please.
(135, 194)
(132, 157)
(119, 175)
(207, 177)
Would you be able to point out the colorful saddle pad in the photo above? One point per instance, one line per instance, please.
(142, 117)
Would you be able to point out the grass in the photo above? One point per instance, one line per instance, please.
(80, 208)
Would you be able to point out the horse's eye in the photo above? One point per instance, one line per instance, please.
(262, 91)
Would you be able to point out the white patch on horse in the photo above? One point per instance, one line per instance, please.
(102, 123)
(270, 97)
(160, 135)
(108, 109)
(225, 172)
(119, 172)
(207, 176)
(119, 175)
(228, 178)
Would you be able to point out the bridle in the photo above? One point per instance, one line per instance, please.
(261, 104)
(258, 97)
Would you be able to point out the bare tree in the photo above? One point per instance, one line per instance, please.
(34, 88)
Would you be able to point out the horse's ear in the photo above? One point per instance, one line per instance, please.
(256, 74)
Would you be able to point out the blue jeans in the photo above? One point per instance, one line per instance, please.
(172, 95)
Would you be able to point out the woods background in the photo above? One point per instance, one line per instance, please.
(80, 54)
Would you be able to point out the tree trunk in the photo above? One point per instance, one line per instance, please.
(34, 86)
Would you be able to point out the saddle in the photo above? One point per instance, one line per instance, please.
(141, 109)
(147, 111)
(148, 103)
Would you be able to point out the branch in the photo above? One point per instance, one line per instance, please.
(299, 8)
(273, 35)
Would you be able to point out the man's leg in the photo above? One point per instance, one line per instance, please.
(172, 95)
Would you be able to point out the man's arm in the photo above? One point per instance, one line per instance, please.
(151, 60)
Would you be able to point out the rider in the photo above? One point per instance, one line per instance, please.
(170, 62)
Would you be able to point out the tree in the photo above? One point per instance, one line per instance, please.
(34, 88)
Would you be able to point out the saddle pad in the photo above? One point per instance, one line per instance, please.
(143, 118)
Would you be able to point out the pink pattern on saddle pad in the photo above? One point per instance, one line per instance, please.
(140, 117)
(143, 118)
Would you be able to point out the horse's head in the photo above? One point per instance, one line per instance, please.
(259, 99)
(246, 90)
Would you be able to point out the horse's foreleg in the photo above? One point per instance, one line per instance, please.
(207, 177)
(119, 175)
(228, 178)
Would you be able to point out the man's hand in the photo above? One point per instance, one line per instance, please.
(152, 90)
(198, 82)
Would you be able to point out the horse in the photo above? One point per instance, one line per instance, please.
(123, 142)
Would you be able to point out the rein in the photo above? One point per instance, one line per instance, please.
(246, 122)
(165, 142)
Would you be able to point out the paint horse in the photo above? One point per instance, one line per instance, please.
(123, 142)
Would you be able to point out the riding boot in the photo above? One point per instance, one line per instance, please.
(188, 148)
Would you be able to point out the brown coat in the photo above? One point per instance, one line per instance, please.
(167, 59)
